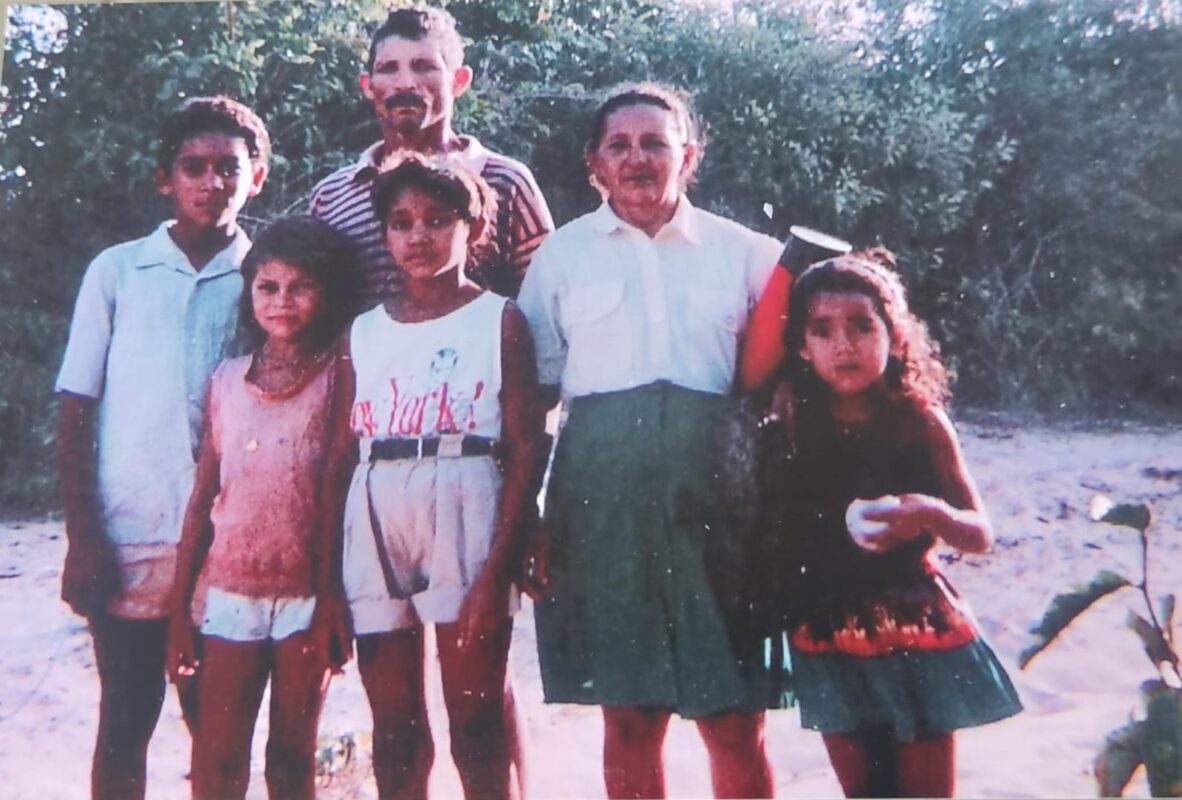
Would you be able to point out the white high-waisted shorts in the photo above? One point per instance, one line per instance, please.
(434, 518)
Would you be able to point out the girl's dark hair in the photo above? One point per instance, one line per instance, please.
(914, 373)
(649, 93)
(445, 178)
(319, 251)
(219, 114)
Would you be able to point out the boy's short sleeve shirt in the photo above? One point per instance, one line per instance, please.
(148, 331)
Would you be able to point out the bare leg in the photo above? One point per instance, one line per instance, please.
(391, 666)
(515, 742)
(850, 763)
(230, 686)
(927, 767)
(296, 699)
(633, 738)
(474, 690)
(864, 763)
(738, 761)
(186, 695)
(130, 659)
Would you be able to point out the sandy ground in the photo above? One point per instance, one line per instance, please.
(1037, 483)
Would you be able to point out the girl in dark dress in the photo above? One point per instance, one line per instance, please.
(887, 659)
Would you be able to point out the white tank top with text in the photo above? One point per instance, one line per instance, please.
(428, 379)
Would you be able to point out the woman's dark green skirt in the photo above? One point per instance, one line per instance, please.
(631, 619)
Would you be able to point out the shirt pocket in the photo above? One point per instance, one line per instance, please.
(591, 304)
(722, 309)
(600, 337)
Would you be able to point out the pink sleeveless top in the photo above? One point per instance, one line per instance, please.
(272, 449)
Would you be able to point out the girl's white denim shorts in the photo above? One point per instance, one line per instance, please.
(239, 618)
(417, 535)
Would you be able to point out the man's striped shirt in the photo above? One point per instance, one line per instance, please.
(522, 221)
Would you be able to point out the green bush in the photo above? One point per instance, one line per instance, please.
(1022, 158)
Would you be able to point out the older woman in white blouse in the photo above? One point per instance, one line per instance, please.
(636, 311)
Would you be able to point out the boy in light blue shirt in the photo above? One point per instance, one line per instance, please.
(153, 318)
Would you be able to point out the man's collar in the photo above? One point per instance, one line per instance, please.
(683, 225)
(369, 160)
(472, 153)
(371, 156)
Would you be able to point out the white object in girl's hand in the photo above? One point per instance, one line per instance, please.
(867, 533)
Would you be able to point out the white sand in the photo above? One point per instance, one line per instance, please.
(1037, 483)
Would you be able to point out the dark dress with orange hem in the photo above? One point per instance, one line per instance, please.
(877, 640)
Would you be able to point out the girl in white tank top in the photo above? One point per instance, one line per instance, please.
(443, 412)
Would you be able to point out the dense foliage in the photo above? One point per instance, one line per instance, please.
(1022, 156)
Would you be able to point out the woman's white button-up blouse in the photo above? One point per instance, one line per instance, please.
(611, 308)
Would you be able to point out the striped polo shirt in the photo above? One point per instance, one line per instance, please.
(522, 220)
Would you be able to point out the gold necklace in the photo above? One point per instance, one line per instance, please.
(299, 360)
(300, 367)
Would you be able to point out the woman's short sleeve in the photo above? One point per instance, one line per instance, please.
(538, 301)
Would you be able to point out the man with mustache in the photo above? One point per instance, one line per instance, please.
(413, 75)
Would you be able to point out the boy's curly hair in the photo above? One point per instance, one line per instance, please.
(219, 114)
(914, 371)
(320, 251)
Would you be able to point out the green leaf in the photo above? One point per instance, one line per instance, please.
(1162, 740)
(1129, 515)
(1155, 644)
(1118, 759)
(1064, 609)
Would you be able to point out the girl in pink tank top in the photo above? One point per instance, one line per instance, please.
(258, 593)
(444, 381)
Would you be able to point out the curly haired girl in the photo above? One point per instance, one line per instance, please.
(887, 659)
